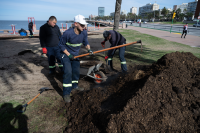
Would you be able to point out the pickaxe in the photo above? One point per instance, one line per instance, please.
(23, 107)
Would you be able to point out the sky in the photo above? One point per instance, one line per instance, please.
(67, 9)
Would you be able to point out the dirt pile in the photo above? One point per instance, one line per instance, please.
(164, 97)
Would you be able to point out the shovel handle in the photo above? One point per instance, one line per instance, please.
(108, 49)
(33, 99)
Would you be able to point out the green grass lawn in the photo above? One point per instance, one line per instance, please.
(171, 23)
(153, 48)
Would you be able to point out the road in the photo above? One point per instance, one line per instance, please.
(175, 28)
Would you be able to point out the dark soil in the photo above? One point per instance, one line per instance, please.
(163, 97)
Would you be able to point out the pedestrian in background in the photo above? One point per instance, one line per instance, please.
(185, 28)
(49, 38)
(30, 28)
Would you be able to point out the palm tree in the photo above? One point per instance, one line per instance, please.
(117, 14)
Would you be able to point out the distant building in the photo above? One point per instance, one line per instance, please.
(112, 14)
(148, 8)
(101, 11)
(183, 7)
(192, 7)
(133, 10)
(175, 7)
(169, 9)
(123, 12)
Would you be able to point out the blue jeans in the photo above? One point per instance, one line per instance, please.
(121, 57)
(53, 53)
(71, 69)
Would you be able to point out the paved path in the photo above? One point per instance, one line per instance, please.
(193, 41)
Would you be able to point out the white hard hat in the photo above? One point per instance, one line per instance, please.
(80, 19)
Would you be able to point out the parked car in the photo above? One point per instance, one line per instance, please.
(144, 22)
(196, 25)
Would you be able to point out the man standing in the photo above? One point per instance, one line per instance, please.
(49, 38)
(30, 28)
(185, 27)
(70, 45)
(115, 39)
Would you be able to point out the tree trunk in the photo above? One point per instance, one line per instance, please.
(117, 14)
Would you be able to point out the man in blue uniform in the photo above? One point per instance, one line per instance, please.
(49, 38)
(115, 39)
(70, 45)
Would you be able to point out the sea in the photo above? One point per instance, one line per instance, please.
(6, 24)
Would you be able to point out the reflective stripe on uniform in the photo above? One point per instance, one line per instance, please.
(109, 58)
(52, 66)
(60, 65)
(75, 81)
(124, 62)
(67, 85)
(74, 45)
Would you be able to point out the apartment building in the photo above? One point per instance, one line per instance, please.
(192, 7)
(148, 8)
(133, 10)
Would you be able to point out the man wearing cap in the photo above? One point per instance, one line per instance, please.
(115, 39)
(49, 38)
(70, 45)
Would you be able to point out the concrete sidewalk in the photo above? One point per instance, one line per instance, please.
(193, 41)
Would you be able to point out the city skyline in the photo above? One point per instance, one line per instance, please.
(43, 9)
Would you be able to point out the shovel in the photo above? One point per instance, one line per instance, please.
(107, 68)
(99, 51)
(22, 109)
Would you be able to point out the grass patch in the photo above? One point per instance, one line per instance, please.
(171, 23)
(153, 48)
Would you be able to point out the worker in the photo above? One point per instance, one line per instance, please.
(115, 39)
(30, 28)
(70, 45)
(185, 28)
(49, 38)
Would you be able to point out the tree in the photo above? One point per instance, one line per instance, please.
(117, 14)
(164, 12)
(178, 12)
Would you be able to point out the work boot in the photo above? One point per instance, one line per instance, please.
(67, 98)
(78, 89)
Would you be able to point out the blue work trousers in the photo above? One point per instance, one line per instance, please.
(71, 72)
(121, 57)
(53, 53)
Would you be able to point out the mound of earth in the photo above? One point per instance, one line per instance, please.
(163, 97)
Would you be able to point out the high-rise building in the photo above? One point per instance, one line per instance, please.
(123, 12)
(183, 7)
(101, 11)
(133, 10)
(112, 14)
(192, 7)
(175, 7)
(148, 8)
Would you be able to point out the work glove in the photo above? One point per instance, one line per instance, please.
(71, 57)
(90, 51)
(106, 57)
(44, 50)
(103, 44)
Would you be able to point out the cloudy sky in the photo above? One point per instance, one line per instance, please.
(67, 9)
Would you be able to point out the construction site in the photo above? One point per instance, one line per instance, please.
(160, 94)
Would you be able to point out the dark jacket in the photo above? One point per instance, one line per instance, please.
(116, 38)
(30, 25)
(49, 36)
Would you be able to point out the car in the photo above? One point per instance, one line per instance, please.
(196, 25)
(144, 22)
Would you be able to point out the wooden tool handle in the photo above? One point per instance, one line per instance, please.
(99, 51)
(33, 99)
